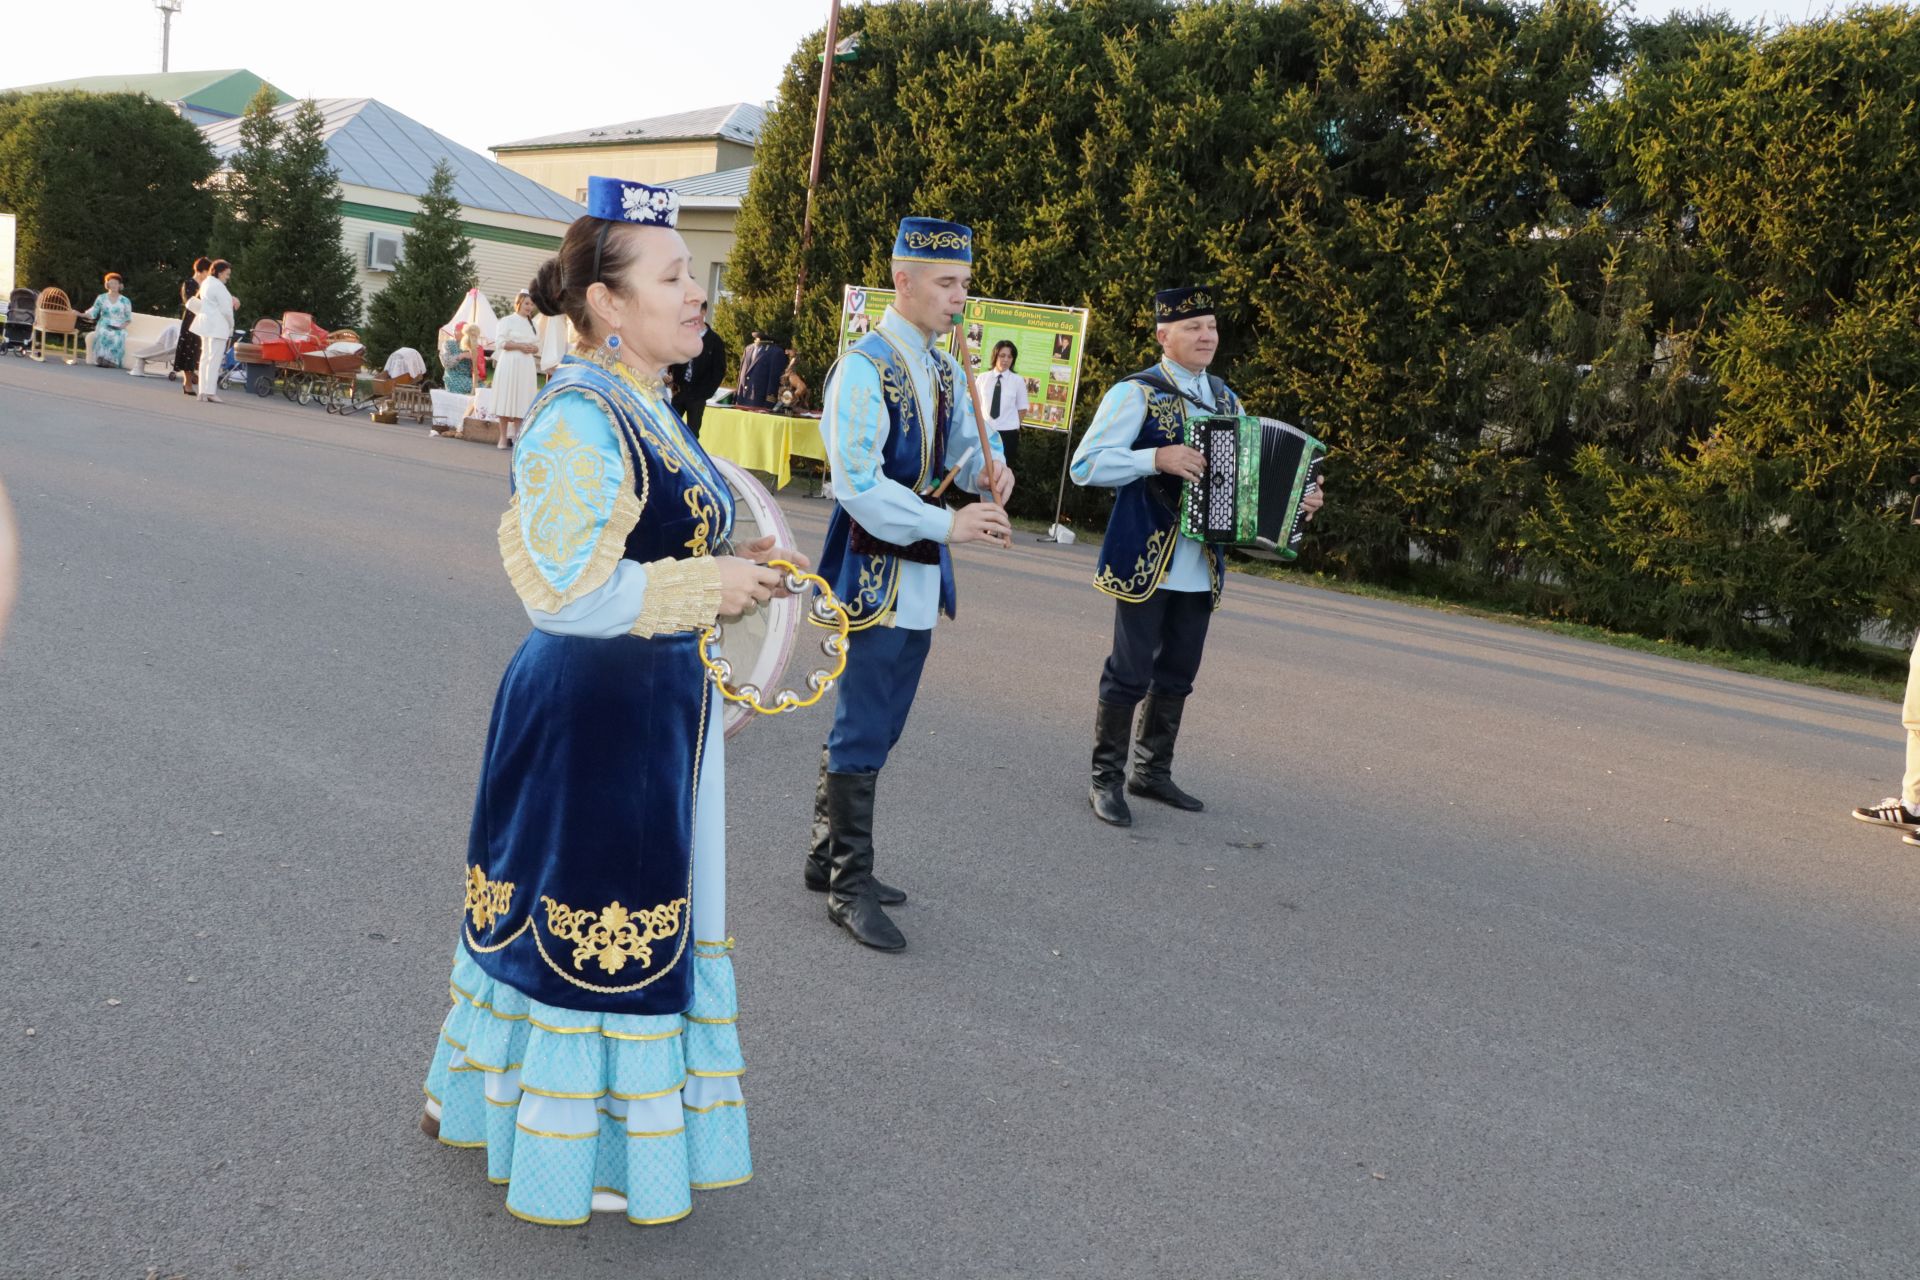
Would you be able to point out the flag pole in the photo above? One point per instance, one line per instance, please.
(827, 52)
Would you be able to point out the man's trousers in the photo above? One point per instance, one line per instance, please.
(876, 693)
(1157, 645)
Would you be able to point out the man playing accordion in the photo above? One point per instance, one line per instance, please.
(1165, 586)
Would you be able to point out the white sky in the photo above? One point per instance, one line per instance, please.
(482, 71)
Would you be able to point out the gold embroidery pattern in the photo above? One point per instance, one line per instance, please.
(703, 511)
(530, 582)
(938, 240)
(1147, 570)
(699, 756)
(487, 900)
(562, 479)
(1169, 419)
(682, 595)
(904, 394)
(1198, 301)
(614, 934)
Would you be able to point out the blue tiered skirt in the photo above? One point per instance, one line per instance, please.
(579, 1111)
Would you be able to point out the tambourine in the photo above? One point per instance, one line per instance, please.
(746, 655)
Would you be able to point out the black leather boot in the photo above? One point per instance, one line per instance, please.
(818, 872)
(1112, 731)
(1153, 753)
(851, 903)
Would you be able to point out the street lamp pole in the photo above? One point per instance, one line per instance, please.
(828, 55)
(167, 9)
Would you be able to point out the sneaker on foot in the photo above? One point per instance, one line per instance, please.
(1890, 813)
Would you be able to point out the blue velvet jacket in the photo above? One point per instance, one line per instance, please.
(580, 856)
(914, 455)
(1145, 523)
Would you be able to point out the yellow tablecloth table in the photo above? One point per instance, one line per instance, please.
(761, 441)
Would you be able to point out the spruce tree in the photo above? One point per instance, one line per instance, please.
(252, 179)
(293, 259)
(435, 271)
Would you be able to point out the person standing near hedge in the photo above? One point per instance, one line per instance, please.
(893, 426)
(186, 351)
(112, 312)
(1004, 393)
(1902, 812)
(1165, 587)
(213, 322)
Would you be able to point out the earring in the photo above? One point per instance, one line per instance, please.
(613, 342)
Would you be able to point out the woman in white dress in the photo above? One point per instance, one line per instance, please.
(516, 373)
(213, 322)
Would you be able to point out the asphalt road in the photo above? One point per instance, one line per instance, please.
(1495, 954)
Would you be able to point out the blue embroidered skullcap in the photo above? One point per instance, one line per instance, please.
(932, 240)
(617, 200)
(1170, 305)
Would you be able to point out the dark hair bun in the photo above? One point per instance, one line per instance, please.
(548, 288)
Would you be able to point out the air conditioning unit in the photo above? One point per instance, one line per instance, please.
(383, 251)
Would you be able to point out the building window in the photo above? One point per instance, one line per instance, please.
(579, 195)
(717, 282)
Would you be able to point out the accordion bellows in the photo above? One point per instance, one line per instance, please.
(1258, 470)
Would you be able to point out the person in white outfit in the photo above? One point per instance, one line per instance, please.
(516, 375)
(213, 322)
(1003, 392)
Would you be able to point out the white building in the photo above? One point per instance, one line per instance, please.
(385, 161)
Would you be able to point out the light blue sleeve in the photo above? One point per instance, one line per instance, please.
(854, 422)
(564, 538)
(1106, 457)
(965, 432)
(601, 614)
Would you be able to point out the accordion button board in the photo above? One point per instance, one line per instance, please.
(1258, 472)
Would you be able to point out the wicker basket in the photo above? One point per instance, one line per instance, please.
(52, 313)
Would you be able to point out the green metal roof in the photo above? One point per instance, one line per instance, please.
(224, 93)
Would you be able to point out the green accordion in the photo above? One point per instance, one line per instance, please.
(1258, 471)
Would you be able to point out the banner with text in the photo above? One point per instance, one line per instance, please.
(1047, 344)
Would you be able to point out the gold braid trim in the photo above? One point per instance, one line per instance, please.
(532, 586)
(682, 595)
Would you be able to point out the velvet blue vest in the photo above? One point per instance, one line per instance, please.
(580, 856)
(914, 455)
(1145, 524)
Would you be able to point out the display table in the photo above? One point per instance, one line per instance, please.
(450, 407)
(761, 441)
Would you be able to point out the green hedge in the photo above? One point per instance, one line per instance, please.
(1619, 319)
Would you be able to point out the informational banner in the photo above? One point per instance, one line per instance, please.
(1048, 344)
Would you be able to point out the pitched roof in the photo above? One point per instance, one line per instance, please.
(733, 122)
(723, 182)
(224, 93)
(372, 145)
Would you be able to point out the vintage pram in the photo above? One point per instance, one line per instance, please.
(272, 356)
(333, 373)
(17, 335)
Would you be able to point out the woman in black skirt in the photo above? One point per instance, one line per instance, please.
(186, 354)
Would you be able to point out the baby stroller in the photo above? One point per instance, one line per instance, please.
(17, 336)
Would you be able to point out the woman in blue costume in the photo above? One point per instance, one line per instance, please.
(591, 1048)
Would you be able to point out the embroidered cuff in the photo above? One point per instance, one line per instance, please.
(682, 595)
